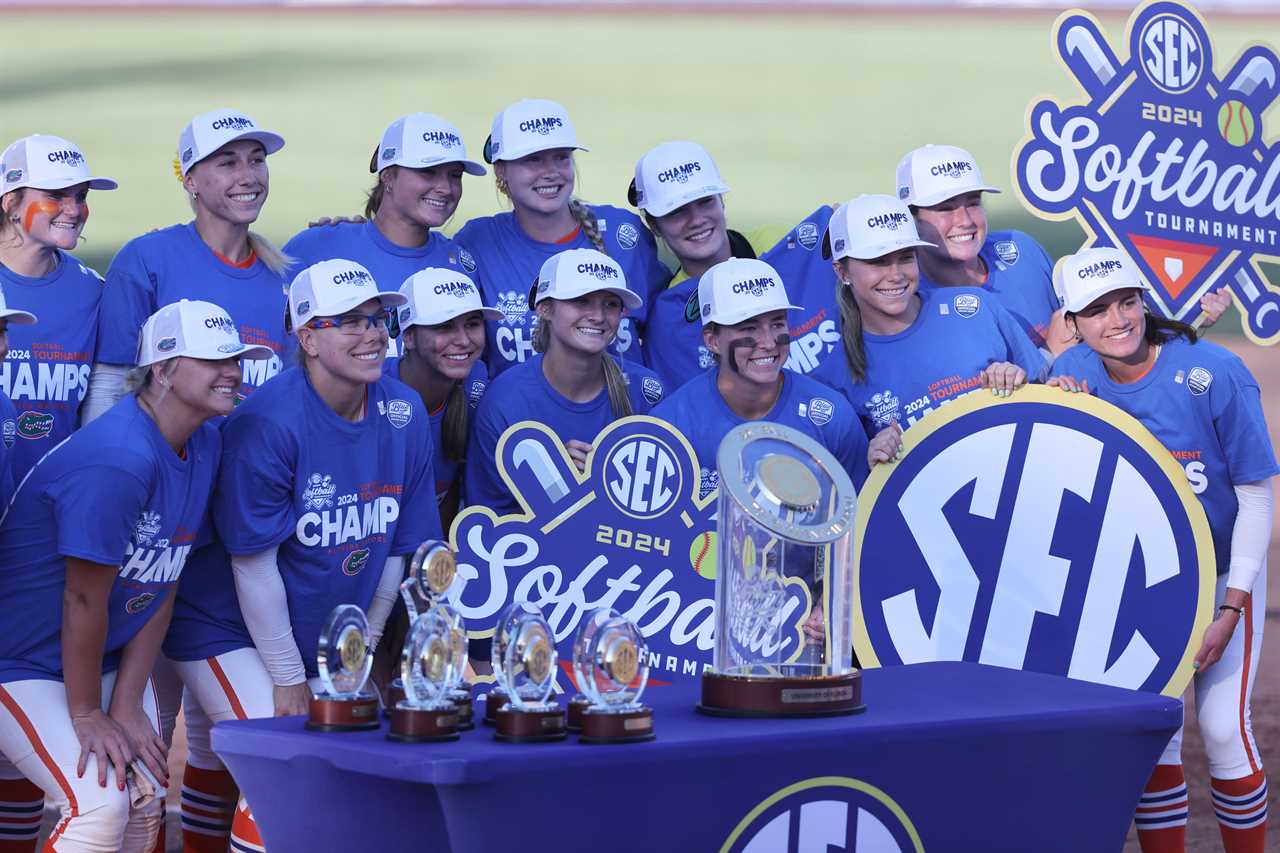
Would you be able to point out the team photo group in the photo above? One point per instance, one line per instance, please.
(208, 449)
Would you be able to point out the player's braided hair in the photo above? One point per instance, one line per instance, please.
(851, 331)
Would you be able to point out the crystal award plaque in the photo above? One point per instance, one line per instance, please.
(526, 650)
(612, 669)
(344, 659)
(784, 583)
(460, 695)
(432, 569)
(430, 670)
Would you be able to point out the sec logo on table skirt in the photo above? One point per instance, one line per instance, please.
(1047, 531)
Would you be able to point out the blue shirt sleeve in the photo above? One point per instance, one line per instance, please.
(1242, 432)
(420, 514)
(253, 504)
(97, 506)
(128, 299)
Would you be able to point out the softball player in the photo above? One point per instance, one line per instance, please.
(744, 309)
(325, 485)
(1202, 403)
(572, 384)
(531, 148)
(222, 161)
(679, 188)
(908, 350)
(44, 190)
(943, 187)
(94, 542)
(419, 163)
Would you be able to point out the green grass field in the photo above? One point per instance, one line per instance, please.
(798, 110)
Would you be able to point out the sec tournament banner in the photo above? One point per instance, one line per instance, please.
(1045, 531)
(629, 533)
(1164, 158)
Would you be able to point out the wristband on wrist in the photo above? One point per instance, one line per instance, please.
(1239, 611)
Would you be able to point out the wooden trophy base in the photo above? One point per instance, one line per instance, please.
(577, 705)
(423, 725)
(329, 714)
(395, 695)
(466, 711)
(753, 696)
(531, 726)
(632, 726)
(494, 701)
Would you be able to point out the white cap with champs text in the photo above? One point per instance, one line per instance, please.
(195, 329)
(208, 132)
(420, 141)
(577, 272)
(932, 174)
(869, 227)
(673, 174)
(330, 288)
(739, 289)
(527, 127)
(435, 295)
(46, 163)
(1093, 273)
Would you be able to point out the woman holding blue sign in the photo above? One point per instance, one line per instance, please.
(908, 349)
(325, 485)
(1203, 404)
(572, 384)
(94, 543)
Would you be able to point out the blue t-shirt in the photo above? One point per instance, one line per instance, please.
(511, 261)
(1204, 406)
(698, 411)
(673, 346)
(8, 437)
(337, 497)
(524, 394)
(173, 263)
(959, 332)
(1020, 275)
(47, 370)
(446, 470)
(113, 493)
(389, 264)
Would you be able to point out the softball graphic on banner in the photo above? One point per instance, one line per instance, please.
(1164, 159)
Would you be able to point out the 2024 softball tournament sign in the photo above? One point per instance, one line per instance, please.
(1047, 532)
(1164, 159)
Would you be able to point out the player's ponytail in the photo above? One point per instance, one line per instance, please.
(851, 332)
(272, 258)
(616, 383)
(373, 200)
(453, 429)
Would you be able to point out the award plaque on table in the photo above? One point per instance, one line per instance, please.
(430, 669)
(460, 694)
(784, 601)
(526, 650)
(432, 569)
(343, 661)
(611, 667)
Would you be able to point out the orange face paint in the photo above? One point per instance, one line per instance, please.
(42, 205)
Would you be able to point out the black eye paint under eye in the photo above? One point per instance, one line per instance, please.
(750, 342)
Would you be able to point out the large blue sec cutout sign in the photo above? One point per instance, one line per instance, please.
(1164, 159)
(629, 533)
(1047, 532)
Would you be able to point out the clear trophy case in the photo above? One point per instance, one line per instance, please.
(784, 583)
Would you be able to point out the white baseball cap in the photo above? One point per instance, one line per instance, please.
(435, 295)
(195, 329)
(1093, 273)
(870, 226)
(527, 127)
(330, 288)
(674, 174)
(739, 289)
(934, 173)
(13, 315)
(419, 141)
(46, 163)
(208, 132)
(577, 272)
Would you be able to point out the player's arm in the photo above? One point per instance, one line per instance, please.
(265, 609)
(1250, 538)
(136, 663)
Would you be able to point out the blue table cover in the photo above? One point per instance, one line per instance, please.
(976, 758)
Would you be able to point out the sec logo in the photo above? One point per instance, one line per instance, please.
(1044, 532)
(1172, 55)
(642, 477)
(826, 813)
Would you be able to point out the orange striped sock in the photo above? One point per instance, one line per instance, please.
(1241, 807)
(21, 808)
(244, 831)
(1161, 817)
(208, 799)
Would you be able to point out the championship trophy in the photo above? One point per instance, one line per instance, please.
(430, 670)
(460, 694)
(343, 659)
(784, 580)
(525, 650)
(431, 572)
(610, 665)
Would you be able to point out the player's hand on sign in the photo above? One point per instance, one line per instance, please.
(1214, 304)
(886, 446)
(334, 220)
(814, 627)
(1069, 383)
(101, 736)
(145, 740)
(578, 451)
(291, 700)
(1216, 637)
(1003, 378)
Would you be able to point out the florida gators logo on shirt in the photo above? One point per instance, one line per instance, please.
(355, 562)
(139, 603)
(34, 425)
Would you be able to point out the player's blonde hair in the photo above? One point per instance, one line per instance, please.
(139, 379)
(855, 355)
(614, 379)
